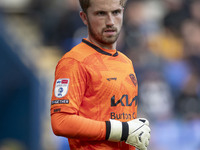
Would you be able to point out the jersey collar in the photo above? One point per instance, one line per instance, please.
(98, 49)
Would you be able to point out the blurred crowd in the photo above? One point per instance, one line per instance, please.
(162, 38)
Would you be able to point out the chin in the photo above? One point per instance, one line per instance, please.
(111, 40)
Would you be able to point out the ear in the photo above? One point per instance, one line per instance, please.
(84, 17)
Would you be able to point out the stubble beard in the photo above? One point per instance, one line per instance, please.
(100, 38)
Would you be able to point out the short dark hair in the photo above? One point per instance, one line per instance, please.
(85, 4)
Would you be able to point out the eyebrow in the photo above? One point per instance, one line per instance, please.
(119, 9)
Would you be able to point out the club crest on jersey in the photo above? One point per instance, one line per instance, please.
(133, 79)
(61, 87)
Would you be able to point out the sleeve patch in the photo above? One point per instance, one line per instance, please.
(61, 87)
(57, 110)
(60, 102)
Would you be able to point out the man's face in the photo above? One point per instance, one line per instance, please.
(104, 21)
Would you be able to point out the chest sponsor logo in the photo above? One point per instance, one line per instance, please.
(124, 116)
(124, 101)
(61, 87)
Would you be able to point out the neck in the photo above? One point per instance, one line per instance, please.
(104, 46)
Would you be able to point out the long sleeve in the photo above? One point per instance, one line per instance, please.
(73, 126)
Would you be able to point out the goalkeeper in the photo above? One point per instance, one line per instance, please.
(94, 99)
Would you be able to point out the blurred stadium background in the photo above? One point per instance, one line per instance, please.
(162, 38)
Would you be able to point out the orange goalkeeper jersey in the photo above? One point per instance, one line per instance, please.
(98, 84)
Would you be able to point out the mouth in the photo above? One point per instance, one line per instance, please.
(110, 32)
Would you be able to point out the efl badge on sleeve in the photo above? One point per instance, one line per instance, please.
(61, 87)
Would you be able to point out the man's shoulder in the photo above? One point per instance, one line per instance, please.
(78, 52)
(125, 57)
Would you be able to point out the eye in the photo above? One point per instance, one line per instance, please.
(116, 12)
(101, 13)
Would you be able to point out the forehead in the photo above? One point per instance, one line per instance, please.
(105, 5)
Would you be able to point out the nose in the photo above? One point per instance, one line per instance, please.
(109, 20)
